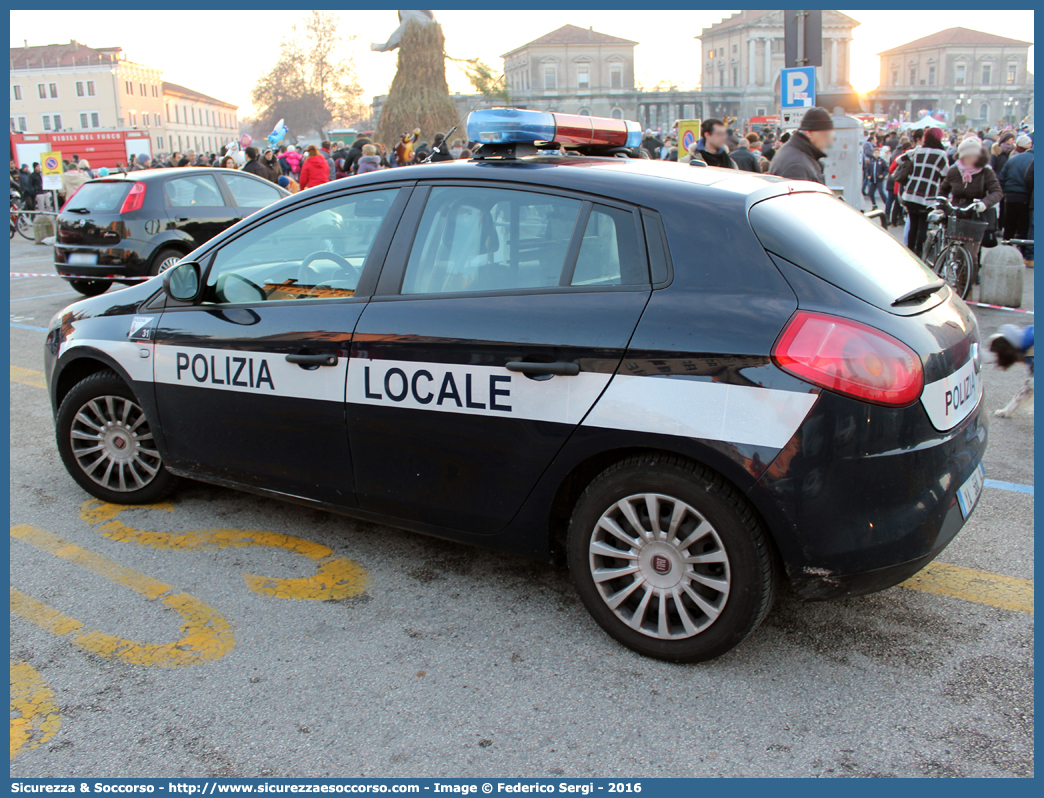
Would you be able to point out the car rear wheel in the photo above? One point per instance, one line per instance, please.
(670, 559)
(164, 259)
(91, 287)
(107, 445)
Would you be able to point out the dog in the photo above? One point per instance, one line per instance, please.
(1013, 345)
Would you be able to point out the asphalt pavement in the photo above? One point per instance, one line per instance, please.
(226, 635)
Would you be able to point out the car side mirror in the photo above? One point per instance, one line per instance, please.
(183, 281)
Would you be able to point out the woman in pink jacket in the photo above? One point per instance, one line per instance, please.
(293, 159)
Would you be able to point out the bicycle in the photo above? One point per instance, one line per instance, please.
(945, 246)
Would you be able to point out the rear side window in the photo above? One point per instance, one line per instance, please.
(609, 253)
(488, 239)
(194, 191)
(250, 193)
(100, 197)
(826, 237)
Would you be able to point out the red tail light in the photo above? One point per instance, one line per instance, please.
(850, 358)
(134, 199)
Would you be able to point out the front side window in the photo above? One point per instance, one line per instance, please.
(197, 191)
(250, 193)
(316, 252)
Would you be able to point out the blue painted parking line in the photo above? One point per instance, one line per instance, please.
(43, 296)
(28, 327)
(1012, 486)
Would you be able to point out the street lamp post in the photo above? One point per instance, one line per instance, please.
(960, 106)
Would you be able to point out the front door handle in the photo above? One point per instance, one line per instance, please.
(533, 368)
(312, 360)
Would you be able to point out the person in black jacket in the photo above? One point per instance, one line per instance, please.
(711, 147)
(440, 149)
(253, 165)
(877, 173)
(744, 158)
(355, 153)
(799, 158)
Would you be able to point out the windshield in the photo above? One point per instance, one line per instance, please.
(106, 196)
(828, 238)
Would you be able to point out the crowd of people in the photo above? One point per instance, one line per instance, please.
(988, 173)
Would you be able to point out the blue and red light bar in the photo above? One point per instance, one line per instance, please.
(520, 126)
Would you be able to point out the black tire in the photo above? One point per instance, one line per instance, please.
(956, 267)
(68, 425)
(164, 255)
(91, 287)
(751, 570)
(25, 225)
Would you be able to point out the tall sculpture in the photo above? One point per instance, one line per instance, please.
(419, 95)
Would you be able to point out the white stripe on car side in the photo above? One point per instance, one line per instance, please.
(659, 404)
(711, 411)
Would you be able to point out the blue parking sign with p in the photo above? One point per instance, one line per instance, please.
(798, 87)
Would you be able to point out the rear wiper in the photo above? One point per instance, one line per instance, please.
(919, 293)
(78, 210)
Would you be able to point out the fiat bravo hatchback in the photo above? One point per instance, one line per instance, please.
(689, 384)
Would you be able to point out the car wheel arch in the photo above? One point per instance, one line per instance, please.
(583, 473)
(77, 366)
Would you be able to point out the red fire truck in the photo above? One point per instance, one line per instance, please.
(98, 147)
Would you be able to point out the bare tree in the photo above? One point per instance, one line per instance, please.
(311, 85)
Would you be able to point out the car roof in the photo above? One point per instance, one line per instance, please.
(165, 171)
(639, 180)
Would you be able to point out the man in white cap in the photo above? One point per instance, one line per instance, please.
(1018, 193)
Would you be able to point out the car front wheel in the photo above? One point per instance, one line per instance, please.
(670, 559)
(107, 445)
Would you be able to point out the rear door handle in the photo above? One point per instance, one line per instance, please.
(528, 367)
(312, 360)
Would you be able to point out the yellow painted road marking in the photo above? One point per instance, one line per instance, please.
(205, 635)
(968, 584)
(335, 577)
(34, 713)
(28, 377)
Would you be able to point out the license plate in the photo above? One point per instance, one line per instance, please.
(969, 492)
(83, 259)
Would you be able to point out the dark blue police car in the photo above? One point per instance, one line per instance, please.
(690, 384)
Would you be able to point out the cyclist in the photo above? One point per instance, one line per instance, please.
(973, 185)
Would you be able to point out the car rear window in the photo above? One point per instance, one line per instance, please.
(100, 197)
(828, 238)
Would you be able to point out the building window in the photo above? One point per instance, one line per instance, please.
(167, 107)
(961, 69)
(616, 76)
(931, 76)
(585, 112)
(895, 76)
(710, 53)
(159, 142)
(21, 124)
(143, 92)
(90, 88)
(759, 112)
(133, 115)
(41, 89)
(777, 45)
(159, 122)
(54, 90)
(1013, 70)
(155, 91)
(986, 70)
(95, 122)
(583, 76)
(46, 122)
(617, 114)
(735, 49)
(128, 86)
(721, 77)
(913, 76)
(177, 117)
(735, 76)
(83, 121)
(79, 88)
(984, 111)
(17, 92)
(550, 77)
(57, 121)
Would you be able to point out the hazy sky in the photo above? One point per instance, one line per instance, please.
(222, 53)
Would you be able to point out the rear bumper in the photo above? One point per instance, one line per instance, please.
(864, 497)
(129, 258)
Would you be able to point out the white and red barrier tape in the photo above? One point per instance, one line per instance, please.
(78, 276)
(998, 307)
